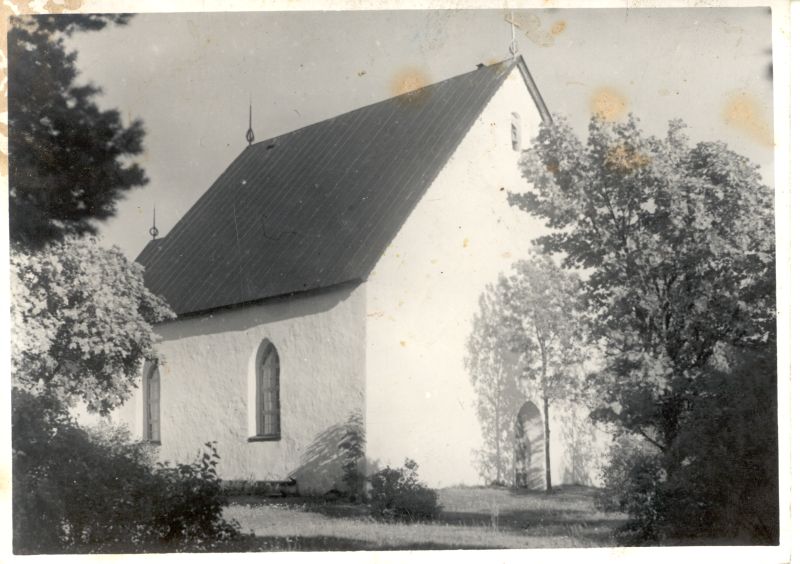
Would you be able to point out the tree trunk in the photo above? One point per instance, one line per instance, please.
(498, 454)
(543, 351)
(547, 482)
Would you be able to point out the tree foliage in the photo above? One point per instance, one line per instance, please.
(542, 313)
(81, 322)
(678, 243)
(725, 482)
(526, 342)
(494, 372)
(70, 161)
(720, 478)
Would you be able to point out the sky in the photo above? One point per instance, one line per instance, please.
(190, 77)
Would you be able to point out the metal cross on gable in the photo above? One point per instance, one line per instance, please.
(513, 47)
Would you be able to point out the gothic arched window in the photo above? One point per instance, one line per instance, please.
(268, 397)
(151, 392)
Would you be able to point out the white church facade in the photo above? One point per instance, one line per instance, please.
(335, 270)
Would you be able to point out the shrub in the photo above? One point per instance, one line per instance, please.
(79, 491)
(724, 472)
(397, 493)
(352, 449)
(719, 479)
(188, 510)
(631, 478)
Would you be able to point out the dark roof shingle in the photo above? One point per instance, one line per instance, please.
(317, 206)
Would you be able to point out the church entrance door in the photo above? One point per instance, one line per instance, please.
(529, 448)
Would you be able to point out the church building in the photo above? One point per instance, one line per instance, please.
(333, 273)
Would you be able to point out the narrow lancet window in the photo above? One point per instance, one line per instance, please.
(515, 131)
(152, 402)
(268, 404)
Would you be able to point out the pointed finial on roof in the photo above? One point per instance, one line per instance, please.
(250, 136)
(154, 230)
(513, 47)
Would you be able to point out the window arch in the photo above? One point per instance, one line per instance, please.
(151, 392)
(268, 397)
(516, 134)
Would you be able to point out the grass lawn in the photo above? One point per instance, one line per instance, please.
(472, 518)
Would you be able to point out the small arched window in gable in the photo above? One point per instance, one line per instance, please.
(151, 393)
(516, 133)
(268, 397)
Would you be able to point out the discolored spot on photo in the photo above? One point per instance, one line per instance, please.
(743, 112)
(531, 26)
(608, 104)
(408, 83)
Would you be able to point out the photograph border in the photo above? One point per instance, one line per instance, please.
(785, 197)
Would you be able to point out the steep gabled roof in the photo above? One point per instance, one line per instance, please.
(318, 206)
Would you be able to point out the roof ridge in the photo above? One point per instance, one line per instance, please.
(482, 68)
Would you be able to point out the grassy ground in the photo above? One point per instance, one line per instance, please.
(472, 518)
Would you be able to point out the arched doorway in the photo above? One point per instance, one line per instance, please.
(529, 448)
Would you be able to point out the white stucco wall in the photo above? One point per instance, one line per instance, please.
(207, 374)
(422, 295)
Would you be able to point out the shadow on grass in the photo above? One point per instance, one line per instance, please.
(539, 523)
(513, 518)
(329, 543)
(569, 492)
(340, 508)
(563, 510)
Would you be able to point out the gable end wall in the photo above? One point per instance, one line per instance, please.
(424, 291)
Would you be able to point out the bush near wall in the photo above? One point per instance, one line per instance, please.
(79, 491)
(397, 493)
(351, 449)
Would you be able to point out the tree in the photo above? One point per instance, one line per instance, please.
(541, 311)
(526, 332)
(494, 372)
(81, 321)
(678, 244)
(69, 161)
(81, 315)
